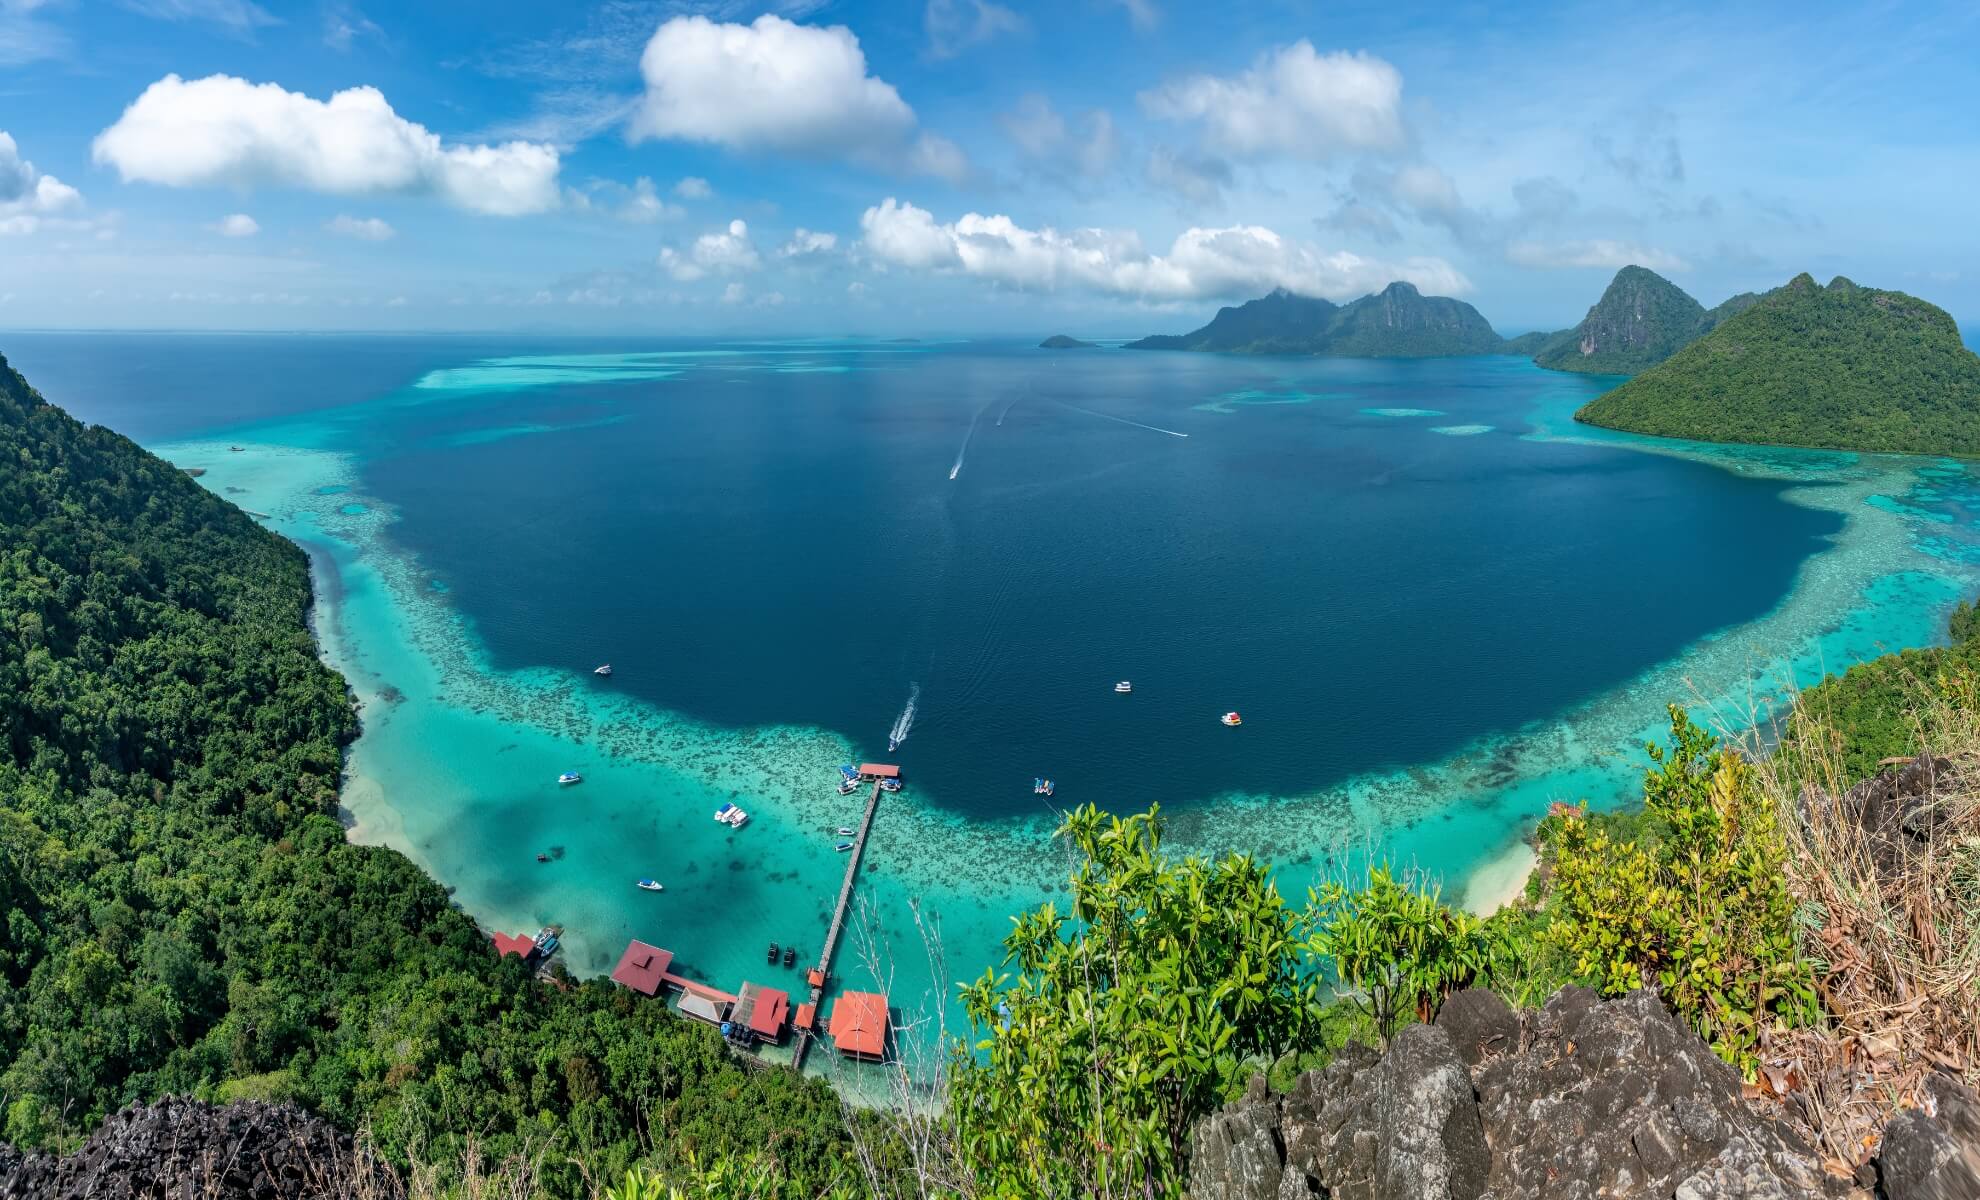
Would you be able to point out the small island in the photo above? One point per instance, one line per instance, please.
(1396, 322)
(1060, 341)
(1641, 320)
(1836, 368)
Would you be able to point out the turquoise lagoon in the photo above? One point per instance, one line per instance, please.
(1432, 637)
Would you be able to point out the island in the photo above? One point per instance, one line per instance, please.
(1641, 320)
(1840, 367)
(1396, 322)
(1060, 341)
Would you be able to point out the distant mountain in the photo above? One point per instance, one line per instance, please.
(1527, 345)
(1641, 320)
(1842, 367)
(1060, 341)
(1397, 322)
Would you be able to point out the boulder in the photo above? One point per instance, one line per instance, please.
(186, 1148)
(1932, 1152)
(1584, 1098)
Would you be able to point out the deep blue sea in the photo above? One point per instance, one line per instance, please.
(758, 540)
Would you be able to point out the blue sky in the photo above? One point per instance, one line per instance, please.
(1095, 166)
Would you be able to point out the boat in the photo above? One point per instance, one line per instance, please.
(570, 777)
(543, 858)
(849, 773)
(237, 449)
(846, 831)
(893, 744)
(545, 941)
(1231, 718)
(790, 955)
(848, 787)
(604, 670)
(738, 819)
(1123, 687)
(844, 846)
(773, 952)
(890, 785)
(1041, 787)
(648, 885)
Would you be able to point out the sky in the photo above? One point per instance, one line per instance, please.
(1099, 167)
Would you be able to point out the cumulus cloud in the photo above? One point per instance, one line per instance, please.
(366, 229)
(955, 25)
(644, 205)
(1595, 252)
(693, 187)
(28, 197)
(236, 225)
(808, 243)
(1198, 180)
(727, 252)
(1295, 102)
(1201, 263)
(225, 131)
(777, 86)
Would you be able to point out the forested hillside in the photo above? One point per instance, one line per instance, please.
(1842, 367)
(182, 911)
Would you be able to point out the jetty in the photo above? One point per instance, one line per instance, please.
(817, 977)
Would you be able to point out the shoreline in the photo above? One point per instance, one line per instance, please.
(453, 756)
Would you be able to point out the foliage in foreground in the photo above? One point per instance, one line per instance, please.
(1703, 912)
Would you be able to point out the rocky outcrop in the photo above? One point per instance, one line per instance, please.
(188, 1149)
(1933, 1152)
(1582, 1099)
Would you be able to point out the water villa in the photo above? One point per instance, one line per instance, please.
(859, 1025)
(759, 1013)
(643, 968)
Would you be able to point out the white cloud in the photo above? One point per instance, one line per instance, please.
(1201, 263)
(645, 205)
(1200, 182)
(1596, 252)
(1142, 13)
(396, 302)
(1295, 102)
(955, 25)
(733, 294)
(712, 253)
(693, 187)
(368, 229)
(236, 225)
(240, 16)
(777, 86)
(224, 131)
(343, 24)
(28, 197)
(806, 243)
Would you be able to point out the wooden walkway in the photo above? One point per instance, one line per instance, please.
(805, 1036)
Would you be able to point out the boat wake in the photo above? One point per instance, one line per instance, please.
(1123, 420)
(1007, 409)
(905, 721)
(957, 469)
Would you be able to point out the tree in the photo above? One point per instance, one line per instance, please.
(1400, 950)
(1127, 1018)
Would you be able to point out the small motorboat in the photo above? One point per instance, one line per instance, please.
(545, 940)
(649, 885)
(844, 846)
(893, 744)
(773, 952)
(848, 787)
(1231, 718)
(1041, 787)
(890, 785)
(790, 956)
(846, 831)
(570, 777)
(1123, 687)
(733, 817)
(237, 449)
(848, 773)
(604, 670)
(543, 858)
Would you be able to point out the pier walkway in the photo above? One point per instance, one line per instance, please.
(823, 973)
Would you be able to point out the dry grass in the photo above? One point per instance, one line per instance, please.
(1888, 875)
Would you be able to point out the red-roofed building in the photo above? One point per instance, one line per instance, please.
(762, 1011)
(878, 771)
(642, 968)
(806, 1014)
(859, 1025)
(521, 945)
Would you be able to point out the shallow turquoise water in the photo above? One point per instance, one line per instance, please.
(474, 674)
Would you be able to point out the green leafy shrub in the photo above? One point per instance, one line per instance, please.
(1400, 950)
(1703, 912)
(1128, 1018)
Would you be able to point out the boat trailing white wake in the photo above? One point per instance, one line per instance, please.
(1123, 420)
(905, 721)
(957, 469)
